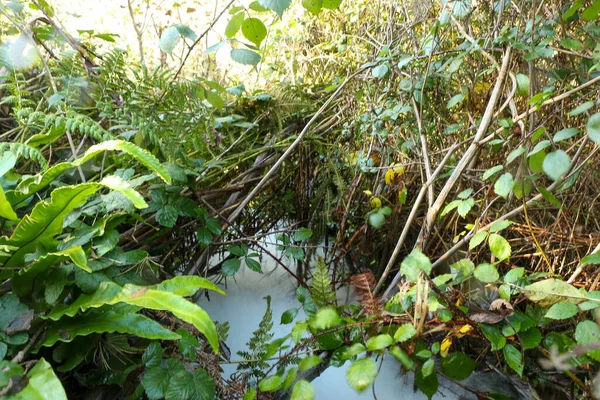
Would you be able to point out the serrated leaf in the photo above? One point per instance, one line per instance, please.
(504, 185)
(156, 379)
(588, 332)
(414, 263)
(458, 366)
(303, 390)
(404, 332)
(493, 334)
(362, 373)
(514, 274)
(556, 164)
(562, 310)
(500, 225)
(270, 384)
(246, 57)
(499, 246)
(486, 273)
(530, 338)
(464, 207)
(187, 385)
(427, 384)
(325, 319)
(309, 362)
(379, 342)
(477, 239)
(552, 291)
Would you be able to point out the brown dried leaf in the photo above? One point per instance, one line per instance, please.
(486, 317)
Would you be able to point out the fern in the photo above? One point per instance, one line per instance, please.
(257, 346)
(25, 151)
(321, 288)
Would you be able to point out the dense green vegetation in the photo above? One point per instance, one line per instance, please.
(445, 153)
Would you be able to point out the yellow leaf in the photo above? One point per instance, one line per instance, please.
(464, 330)
(375, 202)
(368, 193)
(399, 169)
(445, 347)
(389, 176)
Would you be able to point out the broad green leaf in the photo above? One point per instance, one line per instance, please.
(504, 185)
(6, 210)
(270, 384)
(539, 147)
(404, 332)
(514, 154)
(110, 293)
(522, 85)
(500, 225)
(573, 9)
(187, 285)
(332, 4)
(493, 334)
(450, 206)
(402, 356)
(156, 378)
(7, 162)
(552, 291)
(565, 134)
(231, 266)
(380, 71)
(31, 185)
(591, 259)
(313, 6)
(10, 308)
(549, 197)
(477, 239)
(458, 366)
(514, 358)
(362, 373)
(303, 390)
(464, 207)
(492, 171)
(581, 108)
(43, 384)
(279, 6)
(187, 385)
(536, 162)
(309, 362)
(414, 263)
(108, 321)
(214, 99)
(325, 319)
(556, 164)
(379, 342)
(250, 394)
(152, 356)
(455, 100)
(499, 246)
(486, 273)
(562, 310)
(514, 274)
(290, 377)
(530, 338)
(353, 350)
(427, 384)
(246, 57)
(185, 32)
(428, 367)
(302, 234)
(254, 30)
(117, 184)
(376, 219)
(168, 40)
(588, 332)
(593, 128)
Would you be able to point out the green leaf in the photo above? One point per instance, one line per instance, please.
(353, 350)
(477, 239)
(493, 334)
(455, 100)
(279, 6)
(522, 85)
(156, 379)
(552, 291)
(325, 319)
(185, 385)
(458, 366)
(500, 225)
(530, 338)
(214, 99)
(581, 108)
(539, 147)
(556, 164)
(562, 310)
(514, 154)
(246, 57)
(492, 171)
(231, 266)
(184, 31)
(549, 197)
(427, 368)
(290, 377)
(6, 210)
(302, 234)
(427, 384)
(110, 293)
(253, 264)
(486, 273)
(591, 259)
(168, 40)
(254, 30)
(303, 390)
(504, 185)
(313, 6)
(591, 12)
(288, 316)
(250, 394)
(362, 373)
(514, 274)
(402, 356)
(270, 384)
(565, 134)
(404, 332)
(376, 219)
(499, 246)
(112, 320)
(414, 263)
(380, 71)
(572, 10)
(464, 207)
(152, 356)
(514, 358)
(593, 128)
(379, 342)
(536, 161)
(309, 362)
(332, 4)
(167, 216)
(588, 332)
(43, 384)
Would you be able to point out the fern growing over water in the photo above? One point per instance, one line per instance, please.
(255, 363)
(321, 288)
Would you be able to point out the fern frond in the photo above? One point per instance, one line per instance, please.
(25, 151)
(257, 346)
(364, 284)
(320, 287)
